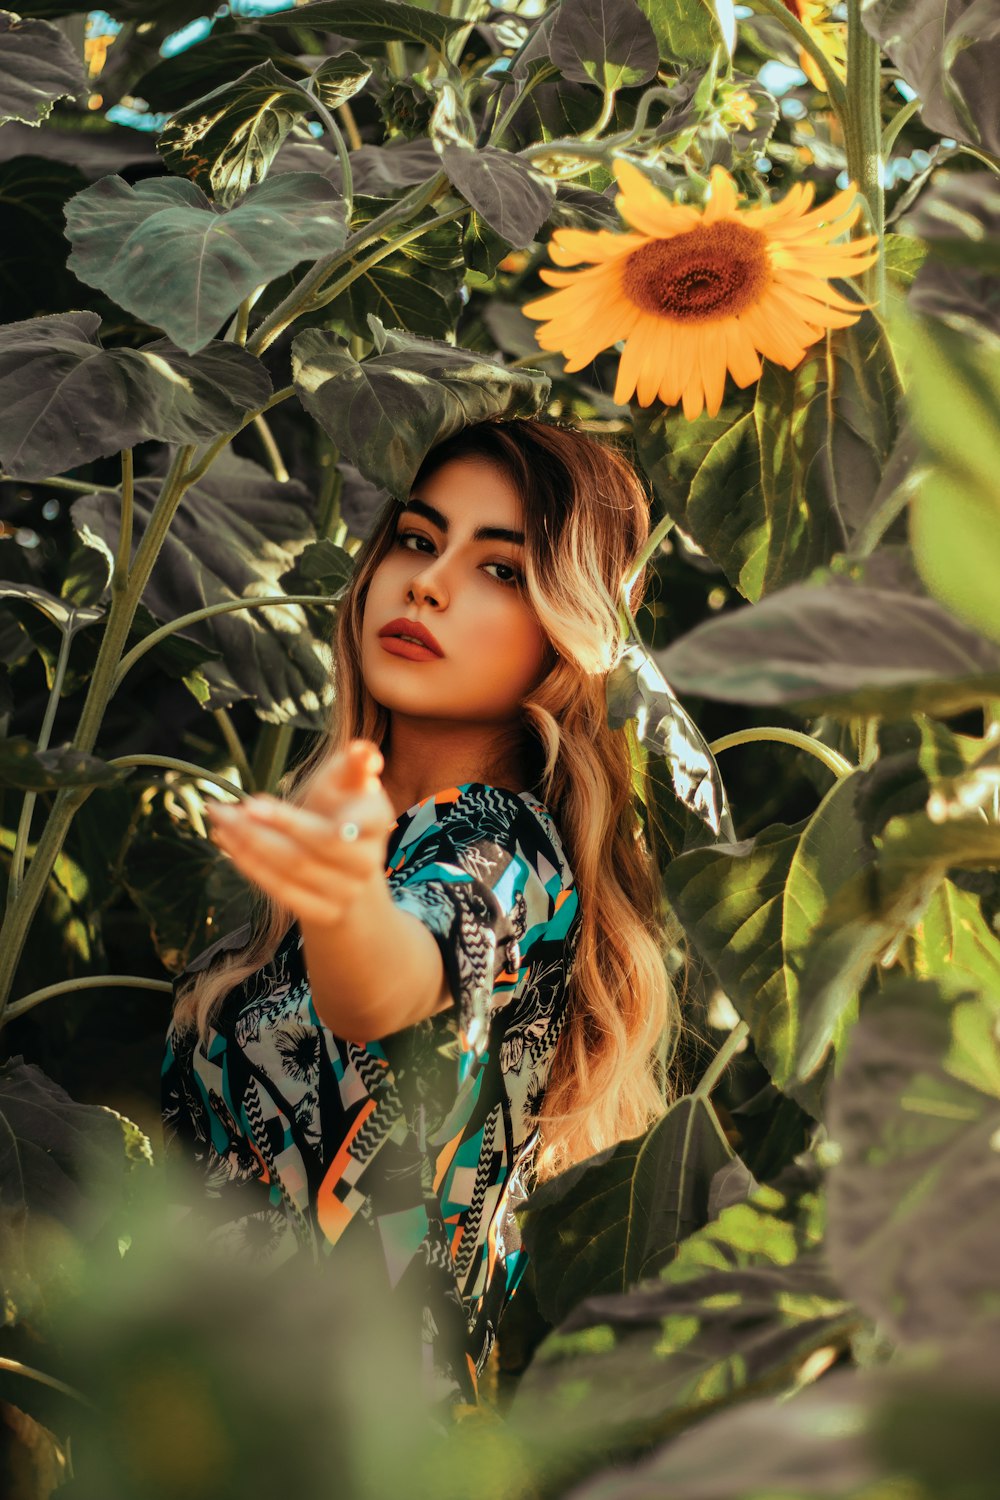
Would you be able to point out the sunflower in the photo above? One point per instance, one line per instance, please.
(829, 35)
(696, 291)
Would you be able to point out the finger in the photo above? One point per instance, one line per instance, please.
(354, 769)
(277, 865)
(319, 833)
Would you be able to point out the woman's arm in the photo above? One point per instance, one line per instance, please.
(375, 970)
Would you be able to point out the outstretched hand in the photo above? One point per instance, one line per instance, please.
(295, 853)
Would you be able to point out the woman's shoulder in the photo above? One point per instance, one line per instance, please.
(518, 821)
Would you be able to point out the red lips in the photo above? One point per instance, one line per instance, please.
(414, 628)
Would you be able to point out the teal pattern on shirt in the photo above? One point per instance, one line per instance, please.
(422, 1141)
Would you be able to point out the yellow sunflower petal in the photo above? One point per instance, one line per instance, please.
(642, 205)
(693, 398)
(744, 364)
(570, 246)
(685, 352)
(723, 196)
(634, 356)
(712, 358)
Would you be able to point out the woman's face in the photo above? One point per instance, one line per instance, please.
(466, 591)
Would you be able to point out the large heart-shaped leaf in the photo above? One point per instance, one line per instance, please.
(37, 67)
(838, 647)
(64, 400)
(235, 533)
(689, 31)
(949, 54)
(607, 42)
(165, 252)
(386, 413)
(915, 1110)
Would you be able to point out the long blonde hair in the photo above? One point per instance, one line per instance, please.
(586, 519)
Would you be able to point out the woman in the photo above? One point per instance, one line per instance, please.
(456, 986)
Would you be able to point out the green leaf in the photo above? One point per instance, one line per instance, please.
(340, 77)
(958, 218)
(227, 140)
(33, 270)
(743, 1303)
(950, 57)
(234, 534)
(913, 1201)
(607, 42)
(620, 1216)
(187, 890)
(689, 31)
(954, 391)
(375, 22)
(220, 59)
(37, 67)
(64, 400)
(386, 413)
(678, 756)
(67, 617)
(841, 648)
(751, 909)
(31, 770)
(165, 252)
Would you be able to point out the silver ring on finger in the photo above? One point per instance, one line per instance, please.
(348, 832)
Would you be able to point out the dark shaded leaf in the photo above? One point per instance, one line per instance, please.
(620, 1216)
(377, 21)
(607, 42)
(950, 55)
(915, 1110)
(37, 67)
(959, 218)
(64, 400)
(386, 413)
(31, 770)
(841, 648)
(165, 252)
(235, 532)
(221, 58)
(67, 617)
(185, 888)
(33, 270)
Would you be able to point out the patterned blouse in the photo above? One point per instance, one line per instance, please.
(419, 1141)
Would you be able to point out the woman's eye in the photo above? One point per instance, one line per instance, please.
(516, 577)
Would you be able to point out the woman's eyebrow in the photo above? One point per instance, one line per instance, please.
(481, 533)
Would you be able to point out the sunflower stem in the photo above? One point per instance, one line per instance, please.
(833, 761)
(863, 139)
(835, 89)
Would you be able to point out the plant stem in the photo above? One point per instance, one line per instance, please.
(235, 747)
(896, 124)
(722, 1059)
(834, 761)
(88, 982)
(359, 267)
(862, 122)
(271, 756)
(835, 89)
(78, 486)
(343, 156)
(148, 642)
(346, 114)
(186, 767)
(119, 578)
(299, 297)
(271, 449)
(30, 798)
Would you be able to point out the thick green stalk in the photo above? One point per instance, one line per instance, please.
(28, 805)
(186, 767)
(863, 139)
(88, 982)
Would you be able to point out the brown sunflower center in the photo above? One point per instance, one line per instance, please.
(714, 271)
